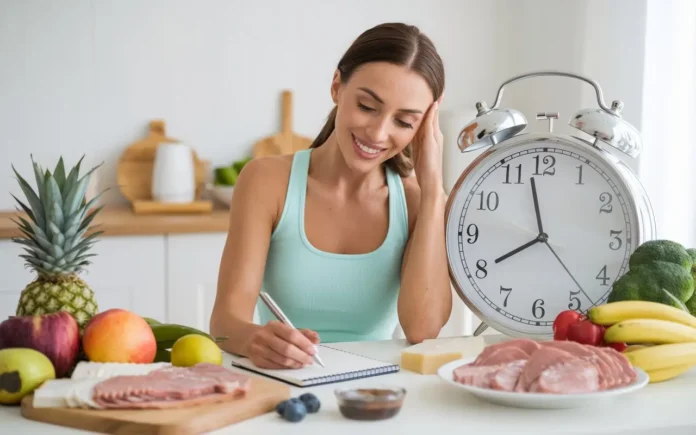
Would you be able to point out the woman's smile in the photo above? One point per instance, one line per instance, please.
(365, 149)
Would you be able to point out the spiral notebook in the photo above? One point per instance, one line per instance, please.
(340, 366)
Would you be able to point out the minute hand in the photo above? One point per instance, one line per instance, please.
(568, 271)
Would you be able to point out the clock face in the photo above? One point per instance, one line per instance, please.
(520, 268)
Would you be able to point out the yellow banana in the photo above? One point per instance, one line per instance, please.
(632, 347)
(649, 331)
(668, 373)
(615, 312)
(663, 356)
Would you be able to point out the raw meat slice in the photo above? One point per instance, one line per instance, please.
(171, 387)
(503, 356)
(575, 376)
(526, 345)
(506, 377)
(538, 362)
(605, 370)
(475, 376)
(626, 373)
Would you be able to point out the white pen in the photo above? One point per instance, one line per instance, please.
(275, 309)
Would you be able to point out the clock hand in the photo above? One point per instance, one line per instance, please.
(521, 248)
(568, 271)
(536, 205)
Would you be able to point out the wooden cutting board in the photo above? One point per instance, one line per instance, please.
(286, 141)
(265, 394)
(134, 171)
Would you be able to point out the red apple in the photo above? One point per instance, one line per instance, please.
(118, 335)
(55, 335)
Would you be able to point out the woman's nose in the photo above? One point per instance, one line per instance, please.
(377, 131)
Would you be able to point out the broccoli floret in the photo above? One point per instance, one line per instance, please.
(651, 282)
(661, 250)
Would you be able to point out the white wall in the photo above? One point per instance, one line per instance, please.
(88, 75)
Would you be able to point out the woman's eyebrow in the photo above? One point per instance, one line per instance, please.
(376, 97)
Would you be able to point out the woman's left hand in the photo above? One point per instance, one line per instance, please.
(427, 152)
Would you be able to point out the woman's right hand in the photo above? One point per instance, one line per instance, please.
(278, 346)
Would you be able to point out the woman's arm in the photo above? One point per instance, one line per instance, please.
(254, 210)
(425, 301)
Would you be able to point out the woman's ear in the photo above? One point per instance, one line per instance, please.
(335, 86)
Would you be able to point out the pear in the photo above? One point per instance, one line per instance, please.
(22, 370)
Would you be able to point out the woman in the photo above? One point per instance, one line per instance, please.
(348, 235)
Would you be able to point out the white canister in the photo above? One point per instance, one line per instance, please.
(173, 174)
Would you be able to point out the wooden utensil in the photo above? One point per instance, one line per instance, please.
(264, 395)
(134, 174)
(286, 141)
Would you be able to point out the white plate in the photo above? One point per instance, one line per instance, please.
(539, 400)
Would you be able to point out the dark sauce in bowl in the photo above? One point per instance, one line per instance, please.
(370, 403)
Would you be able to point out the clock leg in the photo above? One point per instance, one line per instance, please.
(481, 327)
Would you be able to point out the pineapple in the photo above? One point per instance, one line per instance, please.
(55, 243)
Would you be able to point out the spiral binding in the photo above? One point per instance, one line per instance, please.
(355, 374)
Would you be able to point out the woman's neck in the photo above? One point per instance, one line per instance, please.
(329, 167)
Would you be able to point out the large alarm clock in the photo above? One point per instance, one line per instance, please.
(544, 222)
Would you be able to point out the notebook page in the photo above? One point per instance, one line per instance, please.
(337, 363)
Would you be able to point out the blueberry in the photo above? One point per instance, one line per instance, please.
(311, 402)
(294, 411)
(280, 407)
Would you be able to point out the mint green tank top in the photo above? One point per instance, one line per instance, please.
(343, 297)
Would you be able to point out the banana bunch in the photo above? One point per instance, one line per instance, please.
(661, 339)
(167, 334)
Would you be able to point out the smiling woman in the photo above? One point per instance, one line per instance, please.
(348, 235)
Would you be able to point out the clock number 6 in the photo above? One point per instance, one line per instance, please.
(537, 307)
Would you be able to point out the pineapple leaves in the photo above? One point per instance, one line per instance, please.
(59, 174)
(33, 199)
(72, 178)
(26, 209)
(40, 177)
(77, 192)
(54, 212)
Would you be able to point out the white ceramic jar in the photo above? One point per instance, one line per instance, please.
(173, 174)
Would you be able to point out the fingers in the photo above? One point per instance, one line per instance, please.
(311, 335)
(264, 363)
(294, 336)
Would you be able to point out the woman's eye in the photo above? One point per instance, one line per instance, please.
(365, 108)
(404, 124)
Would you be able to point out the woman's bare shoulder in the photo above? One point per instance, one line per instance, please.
(264, 182)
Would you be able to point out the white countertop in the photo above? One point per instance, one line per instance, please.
(434, 407)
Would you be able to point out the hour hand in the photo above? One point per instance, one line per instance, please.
(516, 250)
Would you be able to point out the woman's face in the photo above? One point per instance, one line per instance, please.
(380, 110)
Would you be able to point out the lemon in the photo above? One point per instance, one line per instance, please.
(193, 349)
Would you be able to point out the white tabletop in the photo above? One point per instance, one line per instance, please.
(434, 407)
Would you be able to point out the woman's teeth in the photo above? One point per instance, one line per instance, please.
(366, 148)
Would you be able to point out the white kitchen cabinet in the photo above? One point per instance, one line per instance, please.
(127, 272)
(192, 262)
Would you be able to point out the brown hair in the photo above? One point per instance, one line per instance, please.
(396, 43)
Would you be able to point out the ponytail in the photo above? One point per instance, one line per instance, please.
(326, 130)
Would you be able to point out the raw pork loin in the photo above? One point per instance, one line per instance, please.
(559, 367)
(171, 387)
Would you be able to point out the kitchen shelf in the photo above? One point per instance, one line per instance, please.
(119, 220)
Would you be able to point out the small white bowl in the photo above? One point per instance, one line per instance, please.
(222, 194)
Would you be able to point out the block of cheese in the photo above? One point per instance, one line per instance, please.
(430, 355)
(88, 369)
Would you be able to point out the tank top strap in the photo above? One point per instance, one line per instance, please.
(296, 191)
(398, 211)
